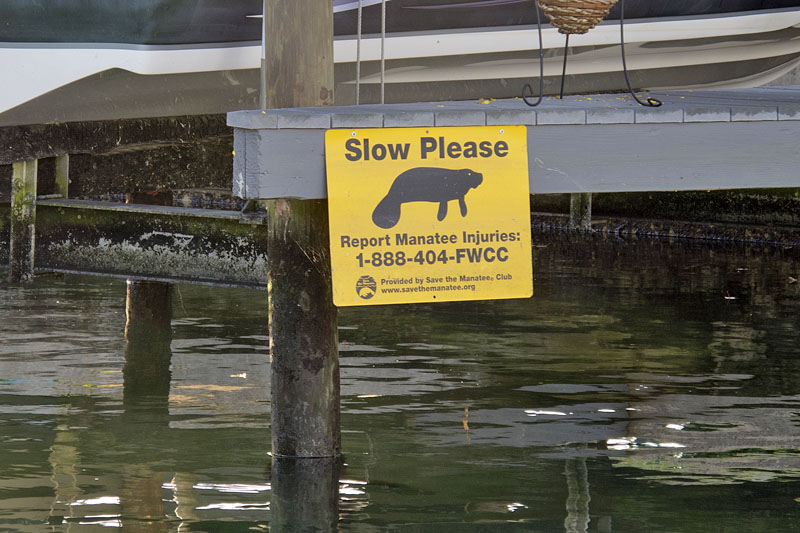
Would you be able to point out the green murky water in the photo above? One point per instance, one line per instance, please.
(647, 386)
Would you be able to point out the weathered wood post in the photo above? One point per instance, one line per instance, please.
(302, 319)
(148, 335)
(306, 495)
(23, 220)
(303, 323)
(146, 374)
(580, 211)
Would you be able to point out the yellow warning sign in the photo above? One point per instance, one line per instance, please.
(429, 214)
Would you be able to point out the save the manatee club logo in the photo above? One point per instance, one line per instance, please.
(426, 184)
(366, 287)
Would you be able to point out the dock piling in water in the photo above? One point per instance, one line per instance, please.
(303, 322)
(23, 220)
(306, 495)
(580, 211)
(302, 318)
(148, 336)
(62, 176)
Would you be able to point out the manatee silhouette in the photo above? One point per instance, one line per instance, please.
(426, 184)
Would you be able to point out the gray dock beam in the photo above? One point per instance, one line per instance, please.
(23, 221)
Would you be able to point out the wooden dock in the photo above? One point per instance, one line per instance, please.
(698, 140)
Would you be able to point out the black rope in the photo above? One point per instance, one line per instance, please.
(564, 68)
(650, 102)
(527, 88)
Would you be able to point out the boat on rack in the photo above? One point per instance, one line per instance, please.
(452, 50)
(68, 60)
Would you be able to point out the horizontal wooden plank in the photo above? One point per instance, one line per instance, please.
(37, 141)
(698, 140)
(167, 210)
(153, 242)
(664, 157)
(578, 158)
(679, 106)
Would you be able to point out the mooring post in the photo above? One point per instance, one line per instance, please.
(304, 341)
(145, 397)
(303, 331)
(302, 318)
(580, 211)
(148, 335)
(23, 220)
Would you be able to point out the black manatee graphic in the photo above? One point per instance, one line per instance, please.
(426, 184)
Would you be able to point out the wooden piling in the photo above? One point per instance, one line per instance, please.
(302, 318)
(299, 53)
(580, 211)
(145, 397)
(23, 220)
(148, 335)
(303, 331)
(305, 494)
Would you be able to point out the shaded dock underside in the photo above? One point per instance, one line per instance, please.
(698, 141)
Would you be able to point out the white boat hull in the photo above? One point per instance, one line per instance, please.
(65, 82)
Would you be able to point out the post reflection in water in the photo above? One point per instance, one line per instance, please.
(577, 475)
(305, 494)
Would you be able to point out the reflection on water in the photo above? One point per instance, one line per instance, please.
(647, 386)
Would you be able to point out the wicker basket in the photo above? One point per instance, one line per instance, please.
(576, 16)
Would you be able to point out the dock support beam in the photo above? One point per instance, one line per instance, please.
(23, 221)
(580, 211)
(302, 319)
